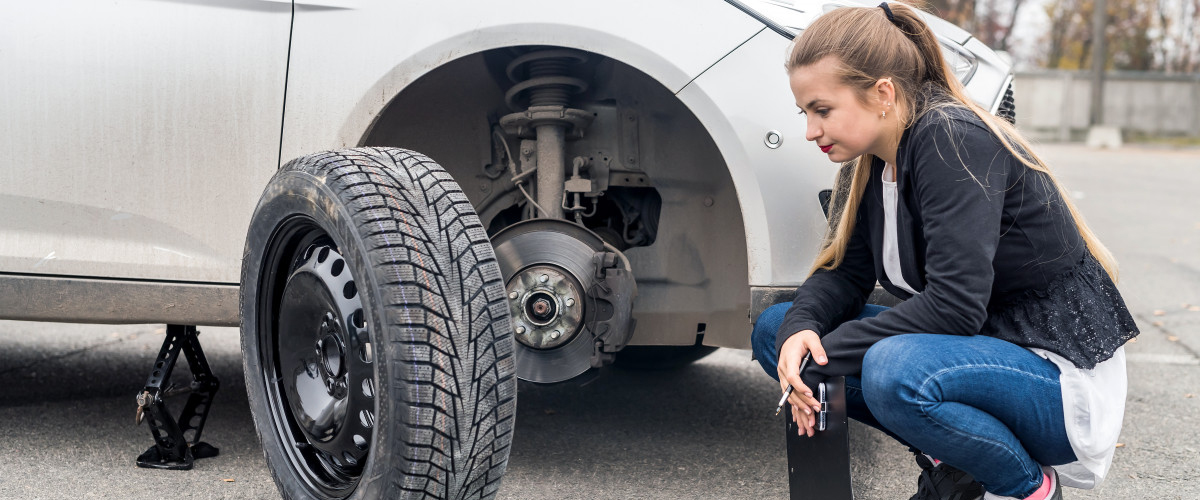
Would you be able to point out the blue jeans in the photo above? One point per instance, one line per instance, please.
(983, 405)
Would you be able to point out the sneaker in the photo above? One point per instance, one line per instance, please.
(1055, 487)
(942, 482)
(1054, 484)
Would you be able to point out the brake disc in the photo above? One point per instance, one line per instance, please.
(549, 274)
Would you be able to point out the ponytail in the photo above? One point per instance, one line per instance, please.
(935, 70)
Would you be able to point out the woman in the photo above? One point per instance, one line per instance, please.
(1005, 362)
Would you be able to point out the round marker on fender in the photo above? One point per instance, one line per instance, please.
(787, 392)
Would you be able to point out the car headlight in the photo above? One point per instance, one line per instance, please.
(789, 19)
(961, 62)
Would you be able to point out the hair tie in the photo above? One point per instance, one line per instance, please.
(888, 11)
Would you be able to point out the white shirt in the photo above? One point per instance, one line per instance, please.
(1093, 407)
(891, 254)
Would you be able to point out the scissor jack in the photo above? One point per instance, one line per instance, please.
(177, 441)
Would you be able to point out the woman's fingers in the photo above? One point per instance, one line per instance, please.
(803, 397)
(790, 357)
(813, 344)
(804, 423)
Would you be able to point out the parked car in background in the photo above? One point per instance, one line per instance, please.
(408, 205)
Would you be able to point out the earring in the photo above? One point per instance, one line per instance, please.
(883, 114)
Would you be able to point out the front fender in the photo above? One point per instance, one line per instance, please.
(739, 101)
(347, 65)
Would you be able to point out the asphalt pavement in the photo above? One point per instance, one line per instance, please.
(704, 431)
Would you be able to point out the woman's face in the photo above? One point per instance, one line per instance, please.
(841, 125)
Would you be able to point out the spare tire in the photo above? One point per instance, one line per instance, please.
(375, 333)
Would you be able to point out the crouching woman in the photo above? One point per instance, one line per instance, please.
(1004, 367)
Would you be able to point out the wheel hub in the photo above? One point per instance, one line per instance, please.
(324, 367)
(542, 309)
(549, 268)
(330, 349)
(546, 306)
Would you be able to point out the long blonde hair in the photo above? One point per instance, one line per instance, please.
(868, 47)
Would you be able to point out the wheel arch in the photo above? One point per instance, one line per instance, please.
(725, 328)
(739, 164)
(364, 116)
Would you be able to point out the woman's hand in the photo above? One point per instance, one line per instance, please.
(802, 400)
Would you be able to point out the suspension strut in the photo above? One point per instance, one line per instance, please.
(543, 80)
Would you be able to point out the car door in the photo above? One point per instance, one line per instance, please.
(136, 135)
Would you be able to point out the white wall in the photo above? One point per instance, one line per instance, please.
(1053, 105)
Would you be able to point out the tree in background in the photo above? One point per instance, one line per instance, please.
(1067, 24)
(959, 12)
(1129, 34)
(989, 20)
(1142, 35)
(997, 21)
(1178, 49)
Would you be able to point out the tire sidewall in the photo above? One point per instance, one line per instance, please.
(291, 193)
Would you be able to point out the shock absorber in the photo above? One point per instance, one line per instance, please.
(544, 82)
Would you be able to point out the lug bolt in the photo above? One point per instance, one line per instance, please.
(512, 295)
(570, 302)
(544, 278)
(520, 330)
(555, 335)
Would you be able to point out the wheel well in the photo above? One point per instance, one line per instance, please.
(694, 268)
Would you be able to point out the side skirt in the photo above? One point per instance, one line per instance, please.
(113, 301)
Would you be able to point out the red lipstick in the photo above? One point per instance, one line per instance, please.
(825, 149)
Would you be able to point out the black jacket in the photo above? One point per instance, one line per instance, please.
(988, 243)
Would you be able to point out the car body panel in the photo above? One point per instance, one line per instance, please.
(740, 103)
(136, 143)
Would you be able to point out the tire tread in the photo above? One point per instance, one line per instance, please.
(443, 302)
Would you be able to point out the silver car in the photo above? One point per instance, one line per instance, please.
(408, 205)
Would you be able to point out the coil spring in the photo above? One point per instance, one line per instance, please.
(548, 82)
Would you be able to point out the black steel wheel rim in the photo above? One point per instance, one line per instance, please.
(317, 359)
